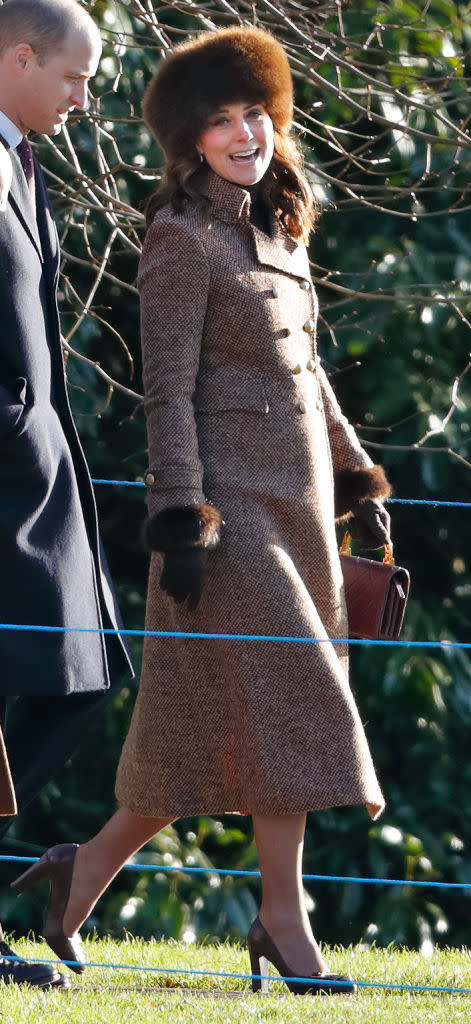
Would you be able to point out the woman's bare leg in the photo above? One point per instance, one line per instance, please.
(98, 861)
(280, 842)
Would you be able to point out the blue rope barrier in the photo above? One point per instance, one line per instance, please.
(121, 483)
(427, 501)
(397, 986)
(397, 501)
(268, 638)
(242, 873)
(306, 878)
(237, 872)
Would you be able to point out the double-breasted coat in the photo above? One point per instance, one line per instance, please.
(240, 413)
(53, 569)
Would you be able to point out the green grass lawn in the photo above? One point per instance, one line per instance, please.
(103, 996)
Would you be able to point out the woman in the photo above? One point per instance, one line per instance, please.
(245, 439)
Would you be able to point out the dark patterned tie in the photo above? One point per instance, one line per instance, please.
(25, 154)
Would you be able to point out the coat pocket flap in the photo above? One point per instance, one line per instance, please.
(230, 390)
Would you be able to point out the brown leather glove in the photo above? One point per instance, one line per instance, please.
(184, 534)
(370, 524)
(183, 575)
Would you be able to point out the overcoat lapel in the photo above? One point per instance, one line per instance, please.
(20, 200)
(47, 228)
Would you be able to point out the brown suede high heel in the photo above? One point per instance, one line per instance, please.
(57, 865)
(263, 951)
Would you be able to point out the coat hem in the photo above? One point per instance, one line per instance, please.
(374, 809)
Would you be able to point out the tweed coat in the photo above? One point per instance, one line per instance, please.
(53, 568)
(240, 413)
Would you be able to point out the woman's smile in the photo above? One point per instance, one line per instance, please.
(247, 157)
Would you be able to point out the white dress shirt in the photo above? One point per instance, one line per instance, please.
(10, 131)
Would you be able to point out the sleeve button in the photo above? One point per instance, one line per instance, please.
(149, 479)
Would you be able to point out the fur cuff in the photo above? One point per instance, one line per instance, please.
(183, 526)
(352, 485)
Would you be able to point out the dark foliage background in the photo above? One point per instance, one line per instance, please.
(383, 97)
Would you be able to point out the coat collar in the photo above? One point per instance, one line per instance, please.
(231, 203)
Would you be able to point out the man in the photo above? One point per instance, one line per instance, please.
(53, 568)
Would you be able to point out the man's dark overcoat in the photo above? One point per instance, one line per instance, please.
(53, 568)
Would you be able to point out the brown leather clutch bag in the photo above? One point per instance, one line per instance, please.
(376, 594)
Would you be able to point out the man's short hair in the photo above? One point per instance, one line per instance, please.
(44, 24)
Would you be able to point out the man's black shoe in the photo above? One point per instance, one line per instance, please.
(21, 972)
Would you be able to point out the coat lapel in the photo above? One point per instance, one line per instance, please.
(46, 224)
(281, 251)
(20, 200)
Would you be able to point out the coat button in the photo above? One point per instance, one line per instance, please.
(149, 479)
(309, 326)
(310, 365)
(304, 286)
(302, 407)
(275, 292)
(298, 368)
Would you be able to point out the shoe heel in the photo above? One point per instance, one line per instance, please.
(263, 962)
(31, 876)
(259, 965)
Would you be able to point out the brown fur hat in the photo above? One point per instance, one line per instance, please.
(227, 66)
